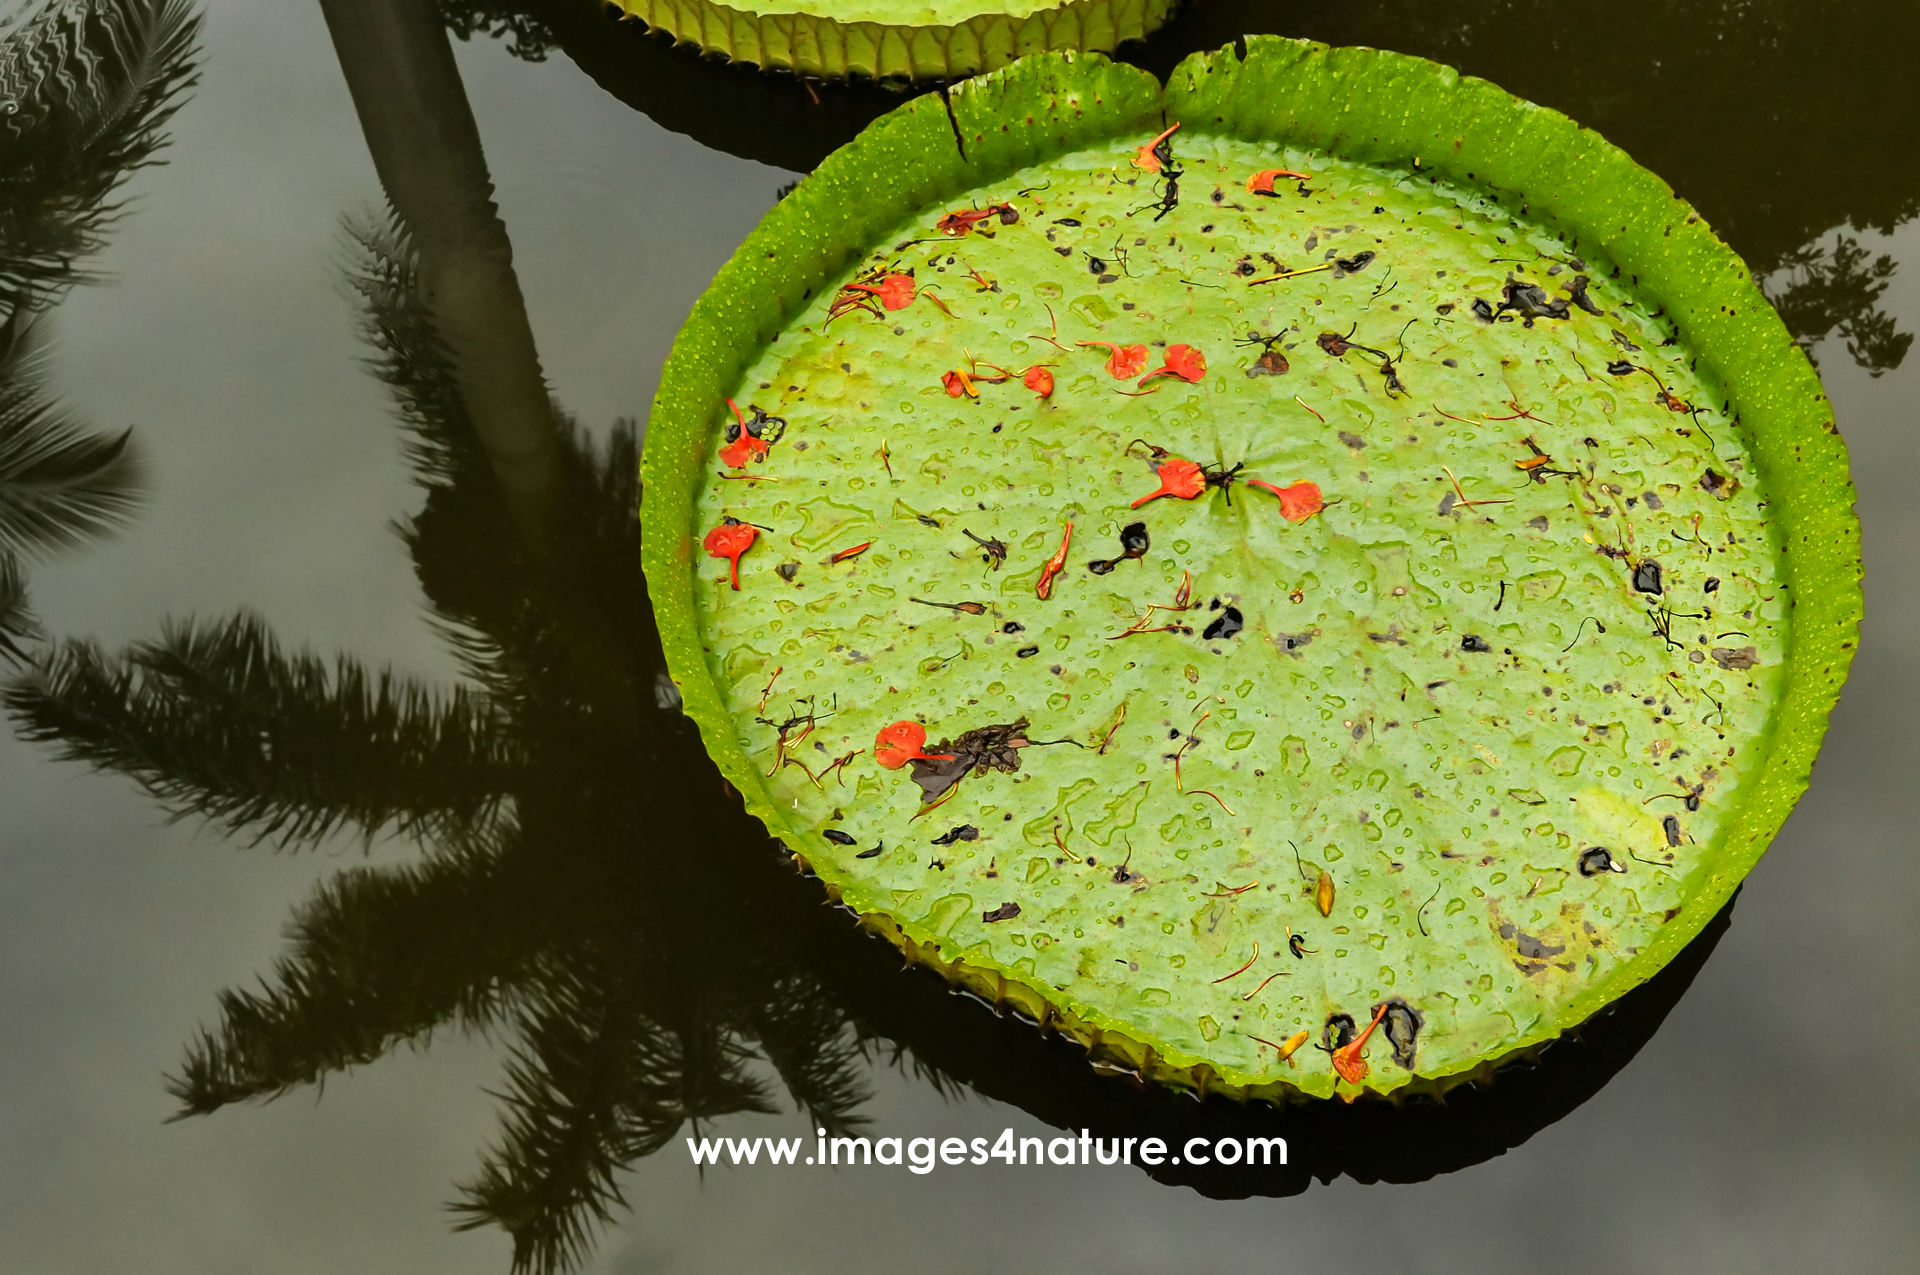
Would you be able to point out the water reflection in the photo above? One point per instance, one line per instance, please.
(86, 91)
(583, 890)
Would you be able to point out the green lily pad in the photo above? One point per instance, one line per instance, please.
(896, 39)
(1470, 738)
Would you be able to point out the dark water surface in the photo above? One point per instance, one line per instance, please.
(561, 941)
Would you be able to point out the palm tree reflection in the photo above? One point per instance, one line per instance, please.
(87, 89)
(572, 893)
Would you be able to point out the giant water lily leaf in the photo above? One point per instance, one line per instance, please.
(897, 39)
(1411, 599)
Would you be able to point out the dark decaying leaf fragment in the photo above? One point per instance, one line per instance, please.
(1402, 1025)
(1598, 859)
(1005, 912)
(965, 832)
(1134, 543)
(978, 751)
(1225, 625)
(1344, 266)
(1530, 301)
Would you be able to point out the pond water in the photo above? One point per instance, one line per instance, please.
(561, 938)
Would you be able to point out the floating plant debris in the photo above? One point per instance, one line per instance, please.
(1134, 543)
(1489, 611)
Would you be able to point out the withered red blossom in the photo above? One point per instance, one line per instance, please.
(1146, 157)
(1298, 502)
(1349, 1060)
(1180, 478)
(900, 743)
(1126, 361)
(895, 290)
(962, 221)
(1261, 183)
(1054, 565)
(1183, 361)
(729, 540)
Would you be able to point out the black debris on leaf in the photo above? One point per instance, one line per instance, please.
(1344, 266)
(1671, 825)
(1712, 585)
(1620, 367)
(1482, 311)
(873, 853)
(838, 837)
(1225, 625)
(1646, 577)
(977, 752)
(759, 425)
(1134, 543)
(1577, 293)
(1474, 642)
(1005, 912)
(1736, 660)
(1009, 214)
(788, 570)
(965, 832)
(1339, 1031)
(1402, 1024)
(1027, 652)
(993, 551)
(1530, 301)
(1719, 486)
(1013, 627)
(1597, 860)
(1272, 361)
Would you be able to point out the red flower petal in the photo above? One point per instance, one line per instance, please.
(956, 224)
(1261, 183)
(1183, 361)
(1298, 502)
(1350, 1060)
(1126, 362)
(1145, 158)
(900, 743)
(736, 454)
(958, 383)
(896, 291)
(1180, 478)
(729, 540)
(1039, 380)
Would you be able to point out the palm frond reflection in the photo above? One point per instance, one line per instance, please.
(556, 899)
